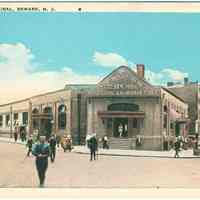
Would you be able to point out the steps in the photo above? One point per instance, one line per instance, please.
(122, 143)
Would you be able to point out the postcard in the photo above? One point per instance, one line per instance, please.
(99, 95)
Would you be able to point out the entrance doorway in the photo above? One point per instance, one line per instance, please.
(120, 127)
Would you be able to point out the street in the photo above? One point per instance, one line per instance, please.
(75, 170)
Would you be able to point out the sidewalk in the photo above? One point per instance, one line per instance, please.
(118, 152)
(137, 153)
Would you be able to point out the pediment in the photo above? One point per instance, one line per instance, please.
(124, 80)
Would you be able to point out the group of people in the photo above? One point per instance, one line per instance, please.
(19, 131)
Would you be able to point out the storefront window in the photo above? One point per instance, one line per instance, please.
(62, 117)
(7, 119)
(1, 120)
(135, 123)
(25, 118)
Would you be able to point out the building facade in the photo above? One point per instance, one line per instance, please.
(190, 92)
(123, 106)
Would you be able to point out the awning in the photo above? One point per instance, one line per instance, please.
(182, 120)
(120, 114)
(42, 116)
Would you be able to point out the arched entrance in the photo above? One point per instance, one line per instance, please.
(122, 120)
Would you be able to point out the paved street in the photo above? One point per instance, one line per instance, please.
(75, 170)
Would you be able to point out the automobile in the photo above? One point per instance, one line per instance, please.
(66, 143)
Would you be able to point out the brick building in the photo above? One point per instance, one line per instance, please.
(190, 92)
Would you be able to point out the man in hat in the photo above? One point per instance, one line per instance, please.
(52, 144)
(41, 151)
(177, 146)
(29, 145)
(93, 145)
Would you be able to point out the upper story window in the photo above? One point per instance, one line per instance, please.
(123, 107)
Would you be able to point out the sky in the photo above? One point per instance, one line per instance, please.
(41, 52)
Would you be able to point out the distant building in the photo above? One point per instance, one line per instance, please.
(190, 92)
(123, 106)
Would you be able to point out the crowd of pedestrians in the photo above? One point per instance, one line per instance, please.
(43, 148)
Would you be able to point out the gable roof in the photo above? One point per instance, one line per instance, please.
(128, 69)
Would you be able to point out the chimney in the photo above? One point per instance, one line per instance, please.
(186, 81)
(140, 70)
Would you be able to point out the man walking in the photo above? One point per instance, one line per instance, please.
(29, 145)
(52, 144)
(177, 148)
(93, 147)
(41, 151)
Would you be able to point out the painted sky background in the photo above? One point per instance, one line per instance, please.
(41, 52)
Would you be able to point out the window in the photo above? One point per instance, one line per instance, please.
(7, 120)
(135, 123)
(15, 116)
(25, 118)
(165, 108)
(172, 125)
(109, 123)
(165, 121)
(62, 117)
(1, 120)
(123, 107)
(35, 121)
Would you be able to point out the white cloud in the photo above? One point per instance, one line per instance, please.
(19, 77)
(175, 75)
(19, 80)
(109, 59)
(165, 76)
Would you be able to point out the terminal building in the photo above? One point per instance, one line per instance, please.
(123, 106)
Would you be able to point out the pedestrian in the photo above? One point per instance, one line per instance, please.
(105, 142)
(93, 145)
(177, 148)
(29, 145)
(52, 144)
(69, 143)
(41, 151)
(16, 134)
(58, 140)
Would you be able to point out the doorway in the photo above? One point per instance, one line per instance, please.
(120, 127)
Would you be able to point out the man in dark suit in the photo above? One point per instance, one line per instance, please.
(177, 146)
(93, 145)
(41, 152)
(52, 144)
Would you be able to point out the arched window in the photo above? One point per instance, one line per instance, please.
(47, 110)
(35, 111)
(35, 121)
(123, 107)
(62, 117)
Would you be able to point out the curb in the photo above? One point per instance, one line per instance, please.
(139, 156)
(116, 155)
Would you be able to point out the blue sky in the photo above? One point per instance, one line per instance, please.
(93, 44)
